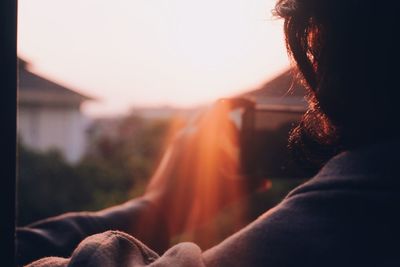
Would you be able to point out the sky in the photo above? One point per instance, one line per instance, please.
(129, 53)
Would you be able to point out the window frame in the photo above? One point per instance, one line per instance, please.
(8, 106)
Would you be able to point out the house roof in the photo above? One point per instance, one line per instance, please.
(283, 84)
(35, 89)
(282, 91)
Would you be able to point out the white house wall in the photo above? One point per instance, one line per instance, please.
(45, 128)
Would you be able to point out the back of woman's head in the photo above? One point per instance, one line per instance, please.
(346, 54)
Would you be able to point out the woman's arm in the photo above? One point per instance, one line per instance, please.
(59, 236)
(194, 180)
(145, 218)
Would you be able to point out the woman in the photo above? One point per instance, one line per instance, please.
(345, 216)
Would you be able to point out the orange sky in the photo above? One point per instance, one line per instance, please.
(151, 52)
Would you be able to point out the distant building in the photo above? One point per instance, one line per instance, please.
(279, 101)
(163, 112)
(283, 90)
(49, 115)
(112, 127)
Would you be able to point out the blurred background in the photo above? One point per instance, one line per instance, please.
(102, 82)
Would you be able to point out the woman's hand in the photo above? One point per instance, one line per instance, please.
(199, 173)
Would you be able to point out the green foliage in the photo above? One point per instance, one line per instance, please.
(114, 170)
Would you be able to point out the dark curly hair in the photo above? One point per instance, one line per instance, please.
(344, 52)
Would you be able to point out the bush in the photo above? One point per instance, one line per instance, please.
(113, 171)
